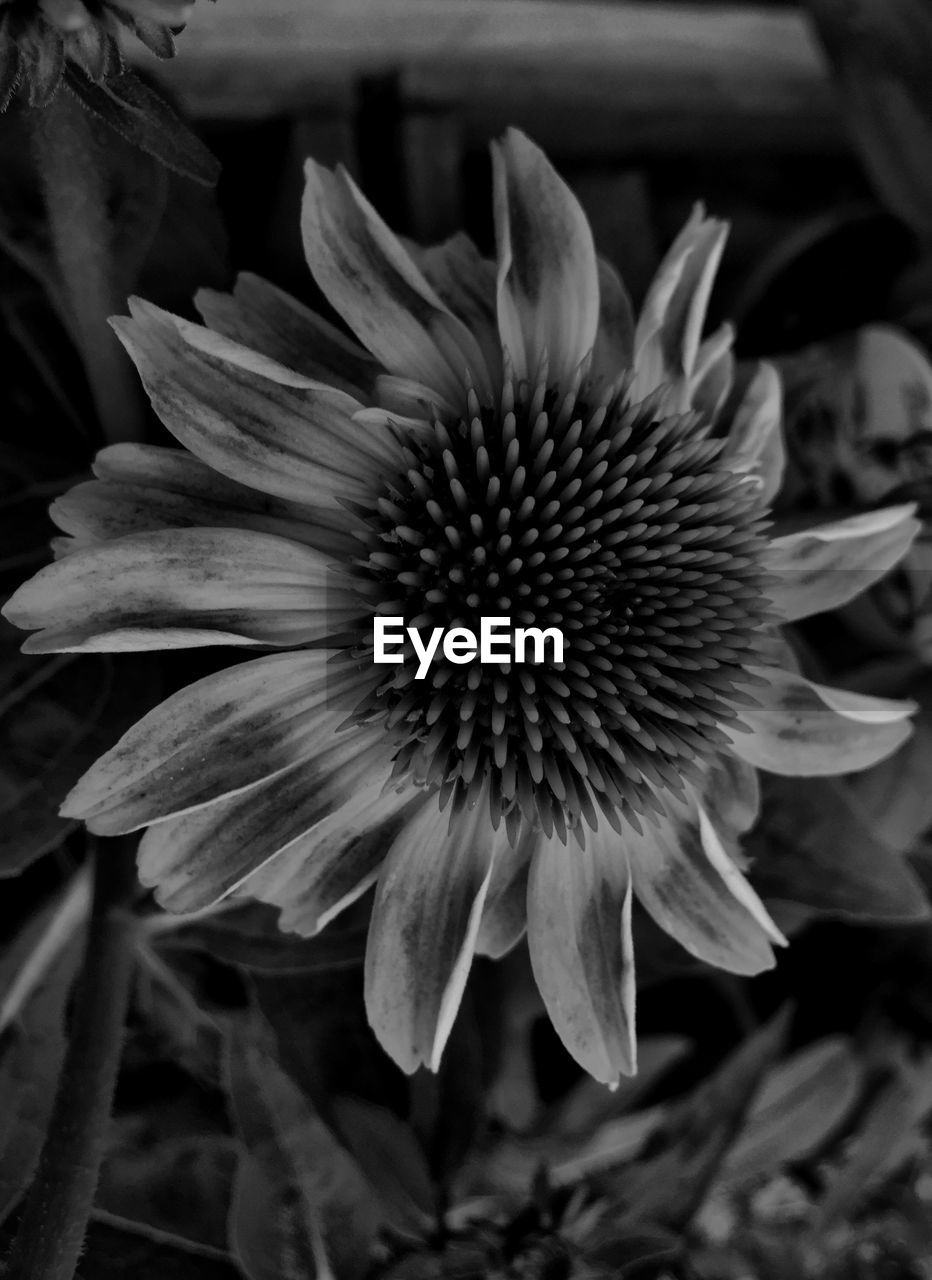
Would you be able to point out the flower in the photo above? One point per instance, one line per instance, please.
(506, 438)
(39, 37)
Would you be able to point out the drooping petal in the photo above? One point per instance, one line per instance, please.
(731, 795)
(194, 860)
(685, 880)
(579, 936)
(826, 566)
(183, 588)
(327, 869)
(669, 328)
(371, 281)
(805, 729)
(425, 920)
(548, 278)
(754, 445)
(293, 441)
(261, 316)
(221, 735)
(504, 916)
(141, 488)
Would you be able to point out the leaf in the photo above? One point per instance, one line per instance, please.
(668, 1182)
(629, 1253)
(296, 1178)
(141, 116)
(28, 960)
(31, 1055)
(814, 846)
(892, 1129)
(895, 795)
(802, 1103)
(56, 717)
(590, 1105)
(180, 1184)
(390, 1155)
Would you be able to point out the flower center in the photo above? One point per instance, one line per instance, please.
(610, 522)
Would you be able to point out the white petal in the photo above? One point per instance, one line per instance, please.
(614, 345)
(324, 871)
(142, 488)
(504, 916)
(296, 442)
(738, 886)
(754, 444)
(194, 860)
(425, 920)
(669, 329)
(826, 566)
(465, 282)
(263, 317)
(218, 736)
(548, 282)
(695, 897)
(714, 373)
(579, 936)
(805, 729)
(369, 278)
(183, 588)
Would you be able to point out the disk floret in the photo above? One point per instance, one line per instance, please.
(609, 520)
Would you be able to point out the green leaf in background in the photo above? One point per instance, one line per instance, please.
(671, 1177)
(143, 117)
(56, 717)
(814, 846)
(31, 1054)
(302, 1207)
(802, 1103)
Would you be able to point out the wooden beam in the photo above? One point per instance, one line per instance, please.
(598, 78)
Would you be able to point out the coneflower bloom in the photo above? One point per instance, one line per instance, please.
(506, 441)
(39, 38)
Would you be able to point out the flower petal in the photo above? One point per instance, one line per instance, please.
(809, 730)
(548, 279)
(714, 374)
(366, 274)
(183, 588)
(425, 920)
(669, 329)
(613, 352)
(339, 859)
(579, 936)
(261, 316)
(828, 565)
(465, 282)
(504, 916)
(219, 736)
(197, 859)
(294, 441)
(141, 488)
(685, 880)
(754, 445)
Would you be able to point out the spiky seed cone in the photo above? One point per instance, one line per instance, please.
(609, 521)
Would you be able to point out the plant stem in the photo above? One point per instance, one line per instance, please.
(50, 1235)
(70, 166)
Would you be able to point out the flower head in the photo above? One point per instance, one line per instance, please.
(506, 441)
(38, 38)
